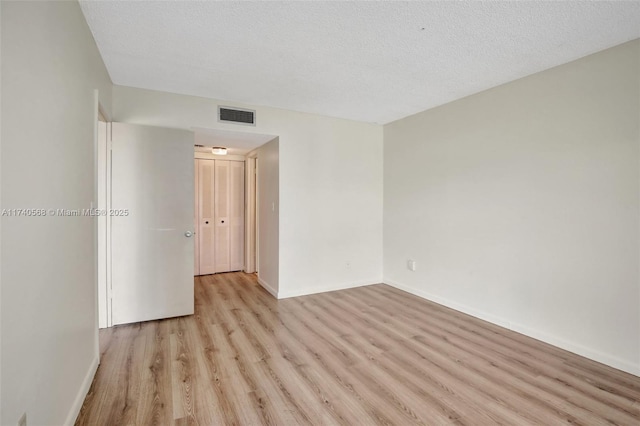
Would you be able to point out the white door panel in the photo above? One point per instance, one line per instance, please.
(236, 216)
(207, 216)
(221, 207)
(152, 259)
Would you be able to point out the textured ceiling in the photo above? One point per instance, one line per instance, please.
(367, 61)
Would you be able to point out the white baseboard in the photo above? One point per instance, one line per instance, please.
(607, 359)
(578, 349)
(82, 392)
(450, 304)
(324, 289)
(267, 287)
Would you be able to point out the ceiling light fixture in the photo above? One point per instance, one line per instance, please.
(219, 150)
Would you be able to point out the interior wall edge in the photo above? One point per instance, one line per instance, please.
(0, 208)
(82, 392)
(592, 354)
(268, 287)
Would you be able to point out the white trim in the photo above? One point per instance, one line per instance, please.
(96, 224)
(257, 218)
(268, 287)
(108, 224)
(450, 304)
(0, 229)
(104, 112)
(324, 289)
(103, 223)
(101, 195)
(578, 349)
(82, 393)
(250, 216)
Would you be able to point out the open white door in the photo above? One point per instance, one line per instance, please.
(152, 227)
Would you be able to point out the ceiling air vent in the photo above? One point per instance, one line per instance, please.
(236, 115)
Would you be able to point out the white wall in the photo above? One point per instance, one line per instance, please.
(330, 178)
(268, 202)
(0, 210)
(520, 205)
(50, 68)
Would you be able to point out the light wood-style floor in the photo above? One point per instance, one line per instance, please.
(369, 355)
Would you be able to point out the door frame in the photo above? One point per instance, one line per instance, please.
(251, 214)
(102, 223)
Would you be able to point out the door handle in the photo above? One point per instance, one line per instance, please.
(189, 234)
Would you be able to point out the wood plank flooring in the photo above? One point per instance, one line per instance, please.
(368, 355)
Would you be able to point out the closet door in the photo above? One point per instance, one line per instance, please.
(207, 228)
(236, 215)
(222, 207)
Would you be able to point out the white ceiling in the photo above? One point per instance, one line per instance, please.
(367, 61)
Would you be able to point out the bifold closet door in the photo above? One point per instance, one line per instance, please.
(220, 219)
(207, 223)
(236, 215)
(222, 229)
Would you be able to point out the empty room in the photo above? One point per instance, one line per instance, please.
(319, 212)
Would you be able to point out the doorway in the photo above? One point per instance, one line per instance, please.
(220, 215)
(240, 147)
(249, 148)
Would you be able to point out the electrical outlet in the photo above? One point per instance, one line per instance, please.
(23, 420)
(411, 265)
